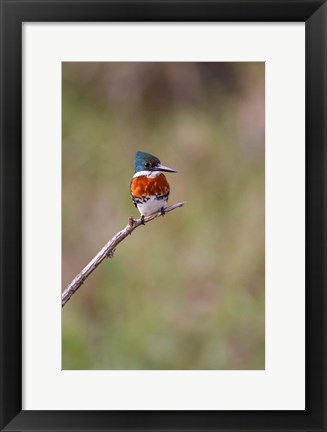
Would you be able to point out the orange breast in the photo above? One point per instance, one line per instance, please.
(145, 186)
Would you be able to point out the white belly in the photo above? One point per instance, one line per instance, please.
(152, 205)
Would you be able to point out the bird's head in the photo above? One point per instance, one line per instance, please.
(147, 162)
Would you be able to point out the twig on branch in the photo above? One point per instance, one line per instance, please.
(108, 252)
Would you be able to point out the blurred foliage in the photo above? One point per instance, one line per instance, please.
(186, 291)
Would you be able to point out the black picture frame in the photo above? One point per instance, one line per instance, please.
(13, 14)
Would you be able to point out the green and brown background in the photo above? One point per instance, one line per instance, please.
(186, 291)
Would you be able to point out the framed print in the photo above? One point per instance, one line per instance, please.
(211, 315)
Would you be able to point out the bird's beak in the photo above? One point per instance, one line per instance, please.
(160, 167)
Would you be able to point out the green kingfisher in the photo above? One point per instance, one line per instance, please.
(149, 186)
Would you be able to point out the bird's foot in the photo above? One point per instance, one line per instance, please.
(142, 220)
(163, 211)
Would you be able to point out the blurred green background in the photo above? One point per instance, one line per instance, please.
(185, 291)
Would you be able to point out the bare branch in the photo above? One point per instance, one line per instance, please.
(108, 252)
